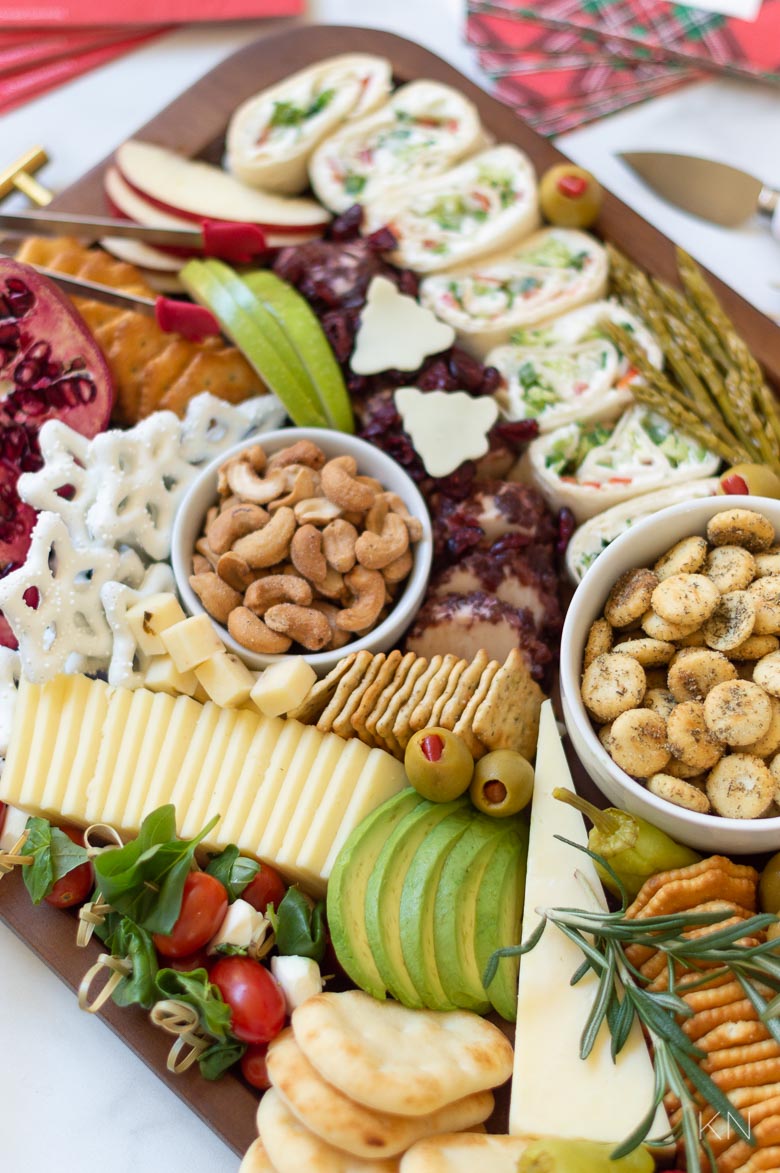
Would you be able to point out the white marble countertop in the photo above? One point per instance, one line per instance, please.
(71, 1095)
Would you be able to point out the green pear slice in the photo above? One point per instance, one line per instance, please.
(383, 895)
(499, 915)
(347, 890)
(257, 335)
(418, 901)
(455, 909)
(298, 320)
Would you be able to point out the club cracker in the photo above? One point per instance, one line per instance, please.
(464, 726)
(371, 694)
(381, 720)
(508, 718)
(349, 681)
(343, 722)
(321, 694)
(466, 687)
(421, 717)
(449, 689)
(401, 729)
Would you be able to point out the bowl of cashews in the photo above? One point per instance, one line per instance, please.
(303, 541)
(670, 672)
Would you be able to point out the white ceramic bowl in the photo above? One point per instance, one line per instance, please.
(202, 493)
(641, 546)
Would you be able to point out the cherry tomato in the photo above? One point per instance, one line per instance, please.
(255, 999)
(203, 909)
(266, 888)
(75, 887)
(254, 1067)
(200, 959)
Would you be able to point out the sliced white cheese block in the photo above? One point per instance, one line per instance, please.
(181, 729)
(271, 136)
(47, 725)
(382, 776)
(591, 467)
(483, 205)
(258, 757)
(91, 721)
(424, 128)
(108, 754)
(395, 331)
(569, 369)
(446, 427)
(269, 786)
(310, 751)
(325, 821)
(554, 1092)
(595, 535)
(20, 742)
(189, 771)
(215, 791)
(312, 795)
(190, 817)
(133, 734)
(148, 756)
(14, 825)
(548, 274)
(66, 747)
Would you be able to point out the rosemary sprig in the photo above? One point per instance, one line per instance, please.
(622, 997)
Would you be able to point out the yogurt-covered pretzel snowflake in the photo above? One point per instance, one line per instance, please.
(211, 425)
(63, 485)
(116, 598)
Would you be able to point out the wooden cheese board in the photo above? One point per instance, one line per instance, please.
(195, 124)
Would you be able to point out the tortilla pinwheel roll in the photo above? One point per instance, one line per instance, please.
(548, 274)
(422, 130)
(569, 370)
(593, 536)
(591, 467)
(272, 135)
(487, 203)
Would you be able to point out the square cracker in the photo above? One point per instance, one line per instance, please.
(466, 687)
(412, 698)
(380, 721)
(371, 695)
(343, 721)
(508, 718)
(449, 688)
(321, 694)
(464, 726)
(420, 718)
(344, 689)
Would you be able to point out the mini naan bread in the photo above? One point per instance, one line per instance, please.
(256, 1159)
(464, 1152)
(293, 1149)
(396, 1060)
(337, 1119)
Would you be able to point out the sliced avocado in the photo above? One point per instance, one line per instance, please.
(257, 335)
(383, 894)
(418, 900)
(455, 913)
(499, 914)
(347, 890)
(300, 323)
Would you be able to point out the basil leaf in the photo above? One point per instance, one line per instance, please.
(194, 988)
(145, 879)
(216, 1060)
(300, 926)
(54, 855)
(233, 870)
(131, 941)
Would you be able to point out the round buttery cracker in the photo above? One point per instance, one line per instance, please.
(396, 1060)
(293, 1149)
(342, 1122)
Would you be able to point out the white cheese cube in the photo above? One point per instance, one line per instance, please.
(226, 679)
(283, 686)
(191, 642)
(14, 825)
(243, 925)
(149, 616)
(299, 978)
(162, 675)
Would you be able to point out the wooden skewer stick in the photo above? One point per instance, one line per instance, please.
(19, 175)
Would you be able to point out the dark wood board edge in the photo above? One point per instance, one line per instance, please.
(227, 1106)
(197, 119)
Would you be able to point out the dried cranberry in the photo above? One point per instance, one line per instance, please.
(491, 381)
(346, 226)
(339, 334)
(383, 240)
(437, 377)
(408, 283)
(566, 527)
(467, 371)
(518, 432)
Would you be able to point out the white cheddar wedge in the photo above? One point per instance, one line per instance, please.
(150, 749)
(162, 675)
(135, 730)
(215, 792)
(282, 686)
(181, 729)
(315, 786)
(309, 748)
(191, 642)
(554, 1092)
(20, 744)
(269, 786)
(188, 816)
(258, 757)
(149, 616)
(226, 679)
(105, 767)
(91, 720)
(326, 820)
(190, 768)
(63, 751)
(381, 777)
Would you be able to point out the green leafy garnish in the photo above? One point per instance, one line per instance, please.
(145, 879)
(233, 870)
(216, 1059)
(354, 183)
(299, 925)
(54, 855)
(195, 989)
(128, 940)
(288, 114)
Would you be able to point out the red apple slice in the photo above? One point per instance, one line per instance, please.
(195, 190)
(126, 202)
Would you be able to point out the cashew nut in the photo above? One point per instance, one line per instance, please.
(200, 565)
(398, 570)
(372, 483)
(375, 518)
(413, 524)
(338, 544)
(217, 597)
(277, 588)
(332, 586)
(340, 485)
(302, 624)
(247, 485)
(375, 551)
(254, 457)
(305, 483)
(302, 452)
(338, 638)
(231, 524)
(306, 553)
(368, 589)
(317, 510)
(269, 545)
(211, 515)
(233, 570)
(204, 549)
(250, 631)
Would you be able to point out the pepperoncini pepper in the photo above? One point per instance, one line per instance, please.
(634, 848)
(553, 1155)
